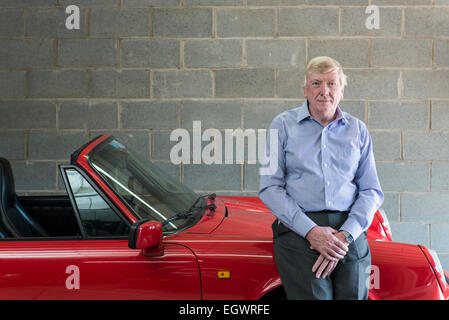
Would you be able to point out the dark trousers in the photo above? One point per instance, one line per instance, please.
(294, 260)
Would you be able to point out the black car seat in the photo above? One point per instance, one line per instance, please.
(13, 217)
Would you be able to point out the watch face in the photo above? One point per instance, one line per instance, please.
(348, 236)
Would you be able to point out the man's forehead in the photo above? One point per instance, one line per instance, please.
(333, 75)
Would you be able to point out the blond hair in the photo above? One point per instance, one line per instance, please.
(325, 64)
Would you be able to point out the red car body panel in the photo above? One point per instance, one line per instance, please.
(228, 254)
(107, 269)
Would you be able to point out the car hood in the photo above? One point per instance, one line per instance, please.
(246, 217)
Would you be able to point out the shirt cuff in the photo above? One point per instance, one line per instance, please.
(303, 224)
(353, 227)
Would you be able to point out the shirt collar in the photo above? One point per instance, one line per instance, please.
(303, 113)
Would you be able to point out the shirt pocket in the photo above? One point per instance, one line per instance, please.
(348, 161)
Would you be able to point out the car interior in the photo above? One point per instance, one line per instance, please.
(46, 215)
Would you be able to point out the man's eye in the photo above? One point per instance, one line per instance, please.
(332, 83)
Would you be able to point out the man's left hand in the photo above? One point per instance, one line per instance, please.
(323, 267)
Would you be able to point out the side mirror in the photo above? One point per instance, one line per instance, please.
(147, 236)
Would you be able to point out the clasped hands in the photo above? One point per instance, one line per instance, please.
(332, 246)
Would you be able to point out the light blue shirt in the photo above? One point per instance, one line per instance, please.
(321, 168)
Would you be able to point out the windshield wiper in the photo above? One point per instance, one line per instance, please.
(188, 213)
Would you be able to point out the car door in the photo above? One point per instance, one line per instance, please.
(95, 269)
(97, 265)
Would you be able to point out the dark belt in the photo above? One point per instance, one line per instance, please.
(313, 215)
(326, 211)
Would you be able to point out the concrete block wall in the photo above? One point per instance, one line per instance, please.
(141, 68)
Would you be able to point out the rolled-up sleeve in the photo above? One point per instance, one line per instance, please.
(272, 189)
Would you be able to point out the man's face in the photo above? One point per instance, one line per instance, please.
(323, 91)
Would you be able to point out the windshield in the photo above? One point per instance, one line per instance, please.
(149, 192)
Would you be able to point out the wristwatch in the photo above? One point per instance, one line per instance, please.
(347, 235)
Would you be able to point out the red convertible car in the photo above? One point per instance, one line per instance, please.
(126, 230)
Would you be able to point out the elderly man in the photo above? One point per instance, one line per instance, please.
(324, 192)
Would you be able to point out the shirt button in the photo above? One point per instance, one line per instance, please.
(328, 183)
(324, 146)
(329, 203)
(325, 165)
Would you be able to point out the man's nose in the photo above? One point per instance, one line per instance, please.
(324, 89)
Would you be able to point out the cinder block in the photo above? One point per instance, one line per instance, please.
(34, 175)
(27, 114)
(401, 52)
(338, 49)
(308, 22)
(391, 206)
(213, 177)
(29, 53)
(440, 175)
(11, 23)
(425, 84)
(441, 52)
(161, 146)
(426, 146)
(120, 84)
(213, 2)
(426, 22)
(400, 2)
(372, 84)
(440, 115)
(275, 2)
(212, 53)
(404, 176)
(353, 22)
(428, 207)
(89, 3)
(259, 115)
(413, 233)
(54, 145)
(354, 108)
(149, 115)
(51, 23)
(386, 145)
(28, 3)
(172, 170)
(220, 115)
(246, 83)
(341, 2)
(119, 22)
(85, 115)
(86, 53)
(150, 53)
(137, 141)
(58, 84)
(276, 53)
(252, 177)
(245, 22)
(290, 83)
(12, 145)
(182, 23)
(399, 115)
(182, 84)
(150, 3)
(12, 84)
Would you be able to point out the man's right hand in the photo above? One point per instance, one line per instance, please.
(323, 240)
